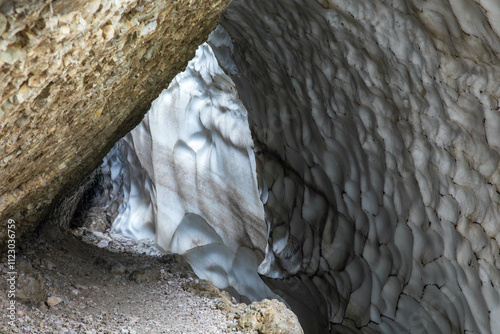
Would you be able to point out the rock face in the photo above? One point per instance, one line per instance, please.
(75, 77)
(268, 317)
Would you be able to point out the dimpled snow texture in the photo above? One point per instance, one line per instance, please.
(376, 128)
(377, 135)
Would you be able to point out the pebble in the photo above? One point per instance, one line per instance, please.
(118, 269)
(53, 301)
(103, 244)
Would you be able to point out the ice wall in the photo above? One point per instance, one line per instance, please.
(377, 134)
(187, 178)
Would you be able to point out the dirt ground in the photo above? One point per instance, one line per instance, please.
(87, 283)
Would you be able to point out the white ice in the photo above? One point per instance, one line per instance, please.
(195, 147)
(377, 128)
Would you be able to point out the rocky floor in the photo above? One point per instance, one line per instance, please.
(94, 282)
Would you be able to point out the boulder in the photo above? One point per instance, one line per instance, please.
(76, 76)
(31, 288)
(270, 317)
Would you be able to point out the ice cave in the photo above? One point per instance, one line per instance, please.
(341, 156)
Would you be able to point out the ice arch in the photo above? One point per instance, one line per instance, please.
(376, 128)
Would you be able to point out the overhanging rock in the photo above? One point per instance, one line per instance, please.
(75, 76)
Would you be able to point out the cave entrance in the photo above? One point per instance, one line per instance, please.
(185, 177)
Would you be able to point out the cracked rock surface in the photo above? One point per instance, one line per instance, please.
(75, 76)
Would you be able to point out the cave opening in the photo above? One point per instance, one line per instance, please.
(185, 178)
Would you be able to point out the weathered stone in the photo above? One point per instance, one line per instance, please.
(95, 220)
(30, 288)
(270, 317)
(118, 269)
(3, 23)
(24, 267)
(146, 275)
(75, 77)
(53, 301)
(202, 288)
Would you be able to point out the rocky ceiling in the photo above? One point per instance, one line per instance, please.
(75, 76)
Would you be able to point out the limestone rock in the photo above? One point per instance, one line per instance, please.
(96, 220)
(25, 267)
(118, 269)
(180, 266)
(75, 77)
(30, 288)
(202, 288)
(269, 316)
(53, 301)
(145, 275)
